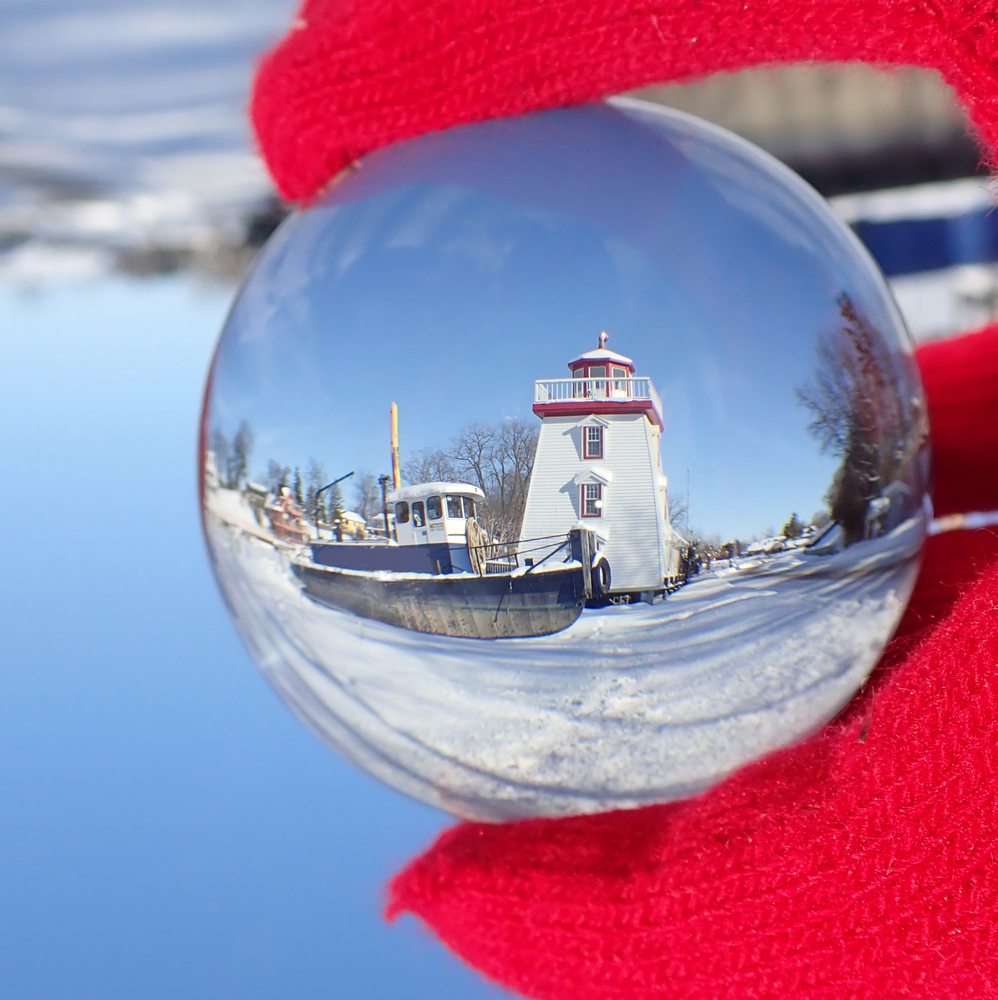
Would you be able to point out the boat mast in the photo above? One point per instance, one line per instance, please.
(396, 473)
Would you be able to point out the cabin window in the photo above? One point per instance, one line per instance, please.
(454, 507)
(418, 514)
(592, 499)
(434, 508)
(594, 441)
(469, 507)
(402, 513)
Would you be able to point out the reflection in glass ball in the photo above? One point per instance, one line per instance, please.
(512, 565)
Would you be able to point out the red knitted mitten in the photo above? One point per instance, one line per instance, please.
(863, 863)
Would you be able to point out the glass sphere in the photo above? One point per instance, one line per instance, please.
(565, 463)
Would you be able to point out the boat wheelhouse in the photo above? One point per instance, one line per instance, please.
(437, 514)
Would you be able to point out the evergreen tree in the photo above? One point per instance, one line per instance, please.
(794, 528)
(238, 460)
(334, 505)
(220, 448)
(316, 476)
(277, 476)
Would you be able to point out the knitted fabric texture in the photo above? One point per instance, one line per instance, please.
(353, 75)
(862, 863)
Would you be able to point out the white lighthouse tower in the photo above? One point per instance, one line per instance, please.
(598, 466)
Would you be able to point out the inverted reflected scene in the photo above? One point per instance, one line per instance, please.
(565, 463)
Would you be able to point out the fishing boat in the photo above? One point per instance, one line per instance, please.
(443, 575)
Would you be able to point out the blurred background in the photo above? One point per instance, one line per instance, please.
(166, 827)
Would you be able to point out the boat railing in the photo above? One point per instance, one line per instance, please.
(327, 531)
(568, 389)
(503, 557)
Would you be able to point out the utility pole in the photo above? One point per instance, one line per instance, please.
(687, 503)
(384, 481)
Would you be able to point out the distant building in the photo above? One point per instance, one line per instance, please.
(352, 522)
(598, 466)
(844, 127)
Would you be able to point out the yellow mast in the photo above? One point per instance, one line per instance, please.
(396, 473)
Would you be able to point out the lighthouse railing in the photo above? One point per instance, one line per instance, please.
(568, 389)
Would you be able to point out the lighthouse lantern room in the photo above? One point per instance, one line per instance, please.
(598, 466)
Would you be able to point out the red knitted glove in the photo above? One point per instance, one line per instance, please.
(356, 74)
(862, 863)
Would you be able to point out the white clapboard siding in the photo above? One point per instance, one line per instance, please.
(632, 525)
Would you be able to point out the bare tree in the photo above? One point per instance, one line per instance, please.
(497, 458)
(678, 511)
(865, 410)
(366, 495)
(429, 465)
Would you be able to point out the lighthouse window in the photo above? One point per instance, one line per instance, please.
(594, 442)
(402, 513)
(418, 514)
(434, 508)
(592, 499)
(454, 507)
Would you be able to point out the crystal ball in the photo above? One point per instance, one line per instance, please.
(565, 463)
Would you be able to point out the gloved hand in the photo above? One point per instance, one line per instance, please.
(862, 863)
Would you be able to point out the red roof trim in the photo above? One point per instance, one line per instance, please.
(583, 408)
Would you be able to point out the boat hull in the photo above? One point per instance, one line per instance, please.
(435, 558)
(470, 607)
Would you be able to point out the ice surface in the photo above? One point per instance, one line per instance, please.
(630, 705)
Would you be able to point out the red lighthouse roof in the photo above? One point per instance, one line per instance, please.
(602, 382)
(601, 356)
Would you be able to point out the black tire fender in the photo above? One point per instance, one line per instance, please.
(600, 577)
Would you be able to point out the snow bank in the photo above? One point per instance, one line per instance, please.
(630, 705)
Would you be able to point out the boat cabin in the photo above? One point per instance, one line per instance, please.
(434, 513)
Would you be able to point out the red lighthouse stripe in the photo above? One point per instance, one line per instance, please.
(583, 408)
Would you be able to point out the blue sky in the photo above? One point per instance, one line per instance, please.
(169, 829)
(451, 272)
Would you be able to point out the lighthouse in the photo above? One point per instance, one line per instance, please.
(598, 466)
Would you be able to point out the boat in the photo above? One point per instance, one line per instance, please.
(441, 574)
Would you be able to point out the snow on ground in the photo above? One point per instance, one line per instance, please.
(630, 705)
